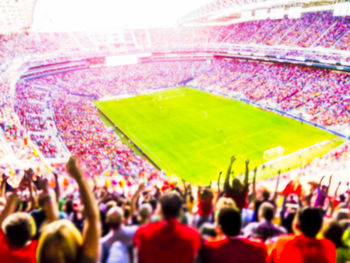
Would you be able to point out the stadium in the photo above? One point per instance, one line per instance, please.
(159, 131)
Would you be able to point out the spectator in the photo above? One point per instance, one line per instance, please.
(233, 248)
(237, 191)
(334, 232)
(16, 234)
(167, 240)
(303, 246)
(61, 241)
(264, 229)
(118, 233)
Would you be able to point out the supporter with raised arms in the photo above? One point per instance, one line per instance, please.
(237, 191)
(61, 241)
(17, 232)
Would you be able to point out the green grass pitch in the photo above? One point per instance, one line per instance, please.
(192, 134)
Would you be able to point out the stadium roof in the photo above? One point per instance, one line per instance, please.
(91, 15)
(109, 15)
(222, 11)
(16, 15)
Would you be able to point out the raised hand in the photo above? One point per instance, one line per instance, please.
(73, 169)
(4, 177)
(233, 158)
(141, 186)
(29, 173)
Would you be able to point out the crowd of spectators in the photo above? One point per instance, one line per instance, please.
(320, 96)
(236, 221)
(311, 30)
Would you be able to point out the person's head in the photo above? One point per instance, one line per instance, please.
(342, 198)
(236, 183)
(46, 200)
(266, 211)
(324, 188)
(171, 204)
(19, 229)
(205, 194)
(344, 223)
(229, 221)
(265, 195)
(144, 213)
(114, 217)
(43, 199)
(224, 202)
(60, 242)
(334, 232)
(340, 214)
(309, 221)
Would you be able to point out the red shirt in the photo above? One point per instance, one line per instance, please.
(235, 250)
(239, 198)
(302, 249)
(205, 208)
(22, 255)
(167, 241)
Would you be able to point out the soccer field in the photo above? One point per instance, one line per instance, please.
(192, 134)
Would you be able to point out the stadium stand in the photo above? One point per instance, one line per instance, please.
(108, 202)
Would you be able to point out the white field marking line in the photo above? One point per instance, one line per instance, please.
(141, 145)
(232, 141)
(300, 151)
(131, 95)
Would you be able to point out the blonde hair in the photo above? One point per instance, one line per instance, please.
(60, 242)
(224, 202)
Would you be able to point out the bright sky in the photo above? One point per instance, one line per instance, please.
(105, 15)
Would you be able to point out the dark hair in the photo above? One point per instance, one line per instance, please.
(171, 204)
(266, 195)
(153, 203)
(266, 210)
(18, 229)
(342, 198)
(334, 232)
(310, 221)
(230, 221)
(205, 194)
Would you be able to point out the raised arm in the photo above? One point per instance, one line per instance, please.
(276, 187)
(336, 191)
(10, 207)
(219, 181)
(32, 195)
(246, 175)
(32, 189)
(254, 184)
(135, 197)
(331, 201)
(57, 187)
(227, 179)
(92, 230)
(3, 185)
(320, 183)
(329, 184)
(51, 209)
